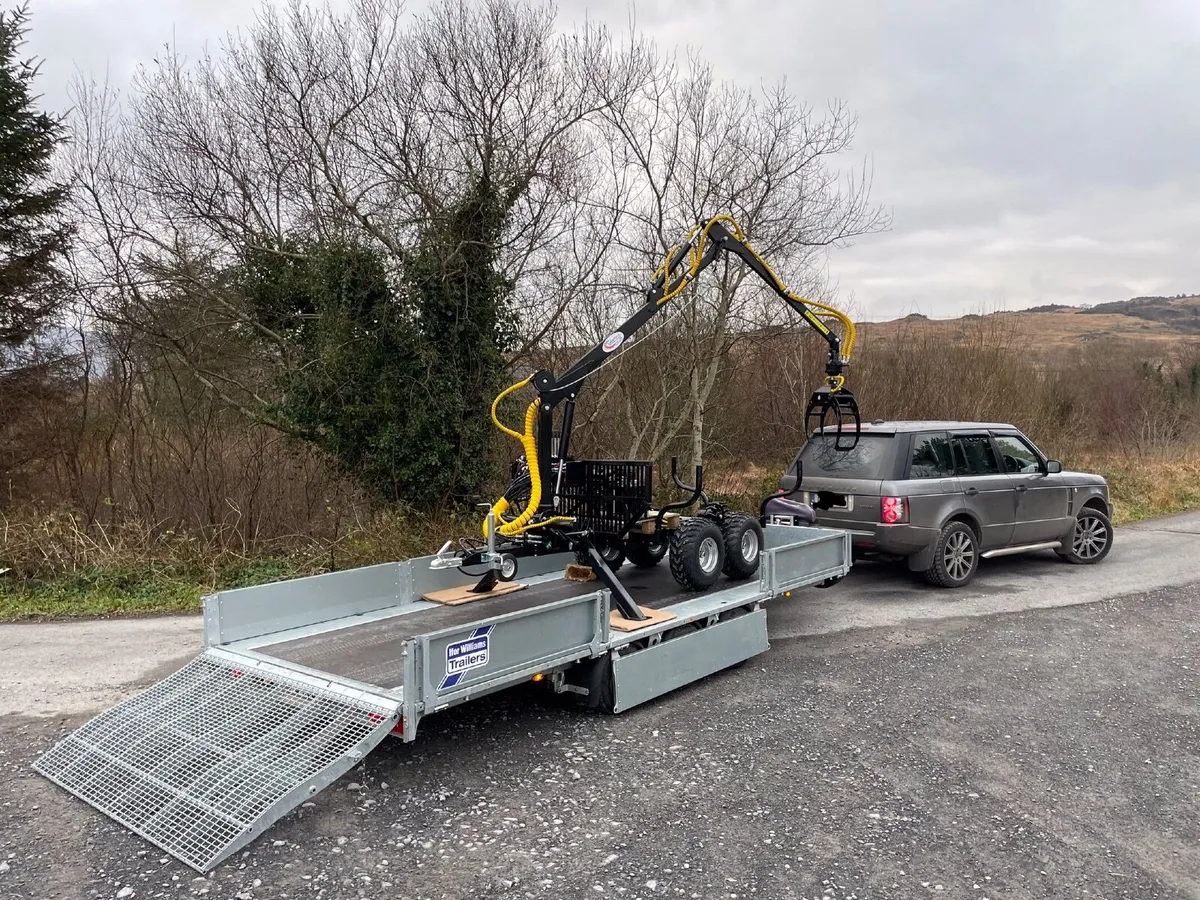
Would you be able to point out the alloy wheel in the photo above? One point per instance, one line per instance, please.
(1091, 537)
(959, 555)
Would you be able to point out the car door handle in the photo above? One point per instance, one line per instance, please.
(971, 492)
(1021, 487)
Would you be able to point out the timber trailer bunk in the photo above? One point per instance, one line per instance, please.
(300, 680)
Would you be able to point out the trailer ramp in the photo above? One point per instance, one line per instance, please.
(203, 762)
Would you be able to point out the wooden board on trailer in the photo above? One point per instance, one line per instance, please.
(460, 595)
(653, 617)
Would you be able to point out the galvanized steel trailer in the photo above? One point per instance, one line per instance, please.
(301, 679)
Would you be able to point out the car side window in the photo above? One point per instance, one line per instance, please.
(973, 455)
(931, 456)
(1017, 456)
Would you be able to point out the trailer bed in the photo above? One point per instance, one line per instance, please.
(300, 679)
(370, 652)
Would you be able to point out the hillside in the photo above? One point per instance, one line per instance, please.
(1159, 323)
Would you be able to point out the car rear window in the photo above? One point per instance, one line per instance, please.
(868, 460)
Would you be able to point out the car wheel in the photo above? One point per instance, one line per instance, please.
(1091, 538)
(743, 538)
(955, 556)
(697, 554)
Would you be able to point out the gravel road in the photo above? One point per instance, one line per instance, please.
(1026, 738)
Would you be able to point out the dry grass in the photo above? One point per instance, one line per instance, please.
(53, 564)
(1144, 487)
(1044, 333)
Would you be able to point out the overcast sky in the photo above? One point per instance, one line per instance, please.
(1031, 151)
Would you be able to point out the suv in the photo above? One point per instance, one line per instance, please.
(944, 495)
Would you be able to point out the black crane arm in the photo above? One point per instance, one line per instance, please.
(832, 402)
(714, 239)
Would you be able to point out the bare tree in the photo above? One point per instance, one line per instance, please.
(696, 147)
(371, 123)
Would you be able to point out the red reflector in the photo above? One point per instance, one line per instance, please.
(399, 729)
(894, 510)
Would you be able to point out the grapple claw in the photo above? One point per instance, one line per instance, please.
(837, 409)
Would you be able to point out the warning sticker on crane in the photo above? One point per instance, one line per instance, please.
(469, 653)
(613, 341)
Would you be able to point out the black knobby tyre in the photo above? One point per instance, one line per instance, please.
(743, 538)
(697, 554)
(955, 556)
(612, 552)
(646, 553)
(1090, 539)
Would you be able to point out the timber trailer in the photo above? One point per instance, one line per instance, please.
(299, 680)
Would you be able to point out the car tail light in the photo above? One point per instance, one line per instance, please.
(895, 510)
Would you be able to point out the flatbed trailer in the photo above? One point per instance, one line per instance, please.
(299, 680)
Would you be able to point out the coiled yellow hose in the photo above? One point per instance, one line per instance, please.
(528, 439)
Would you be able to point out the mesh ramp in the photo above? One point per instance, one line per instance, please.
(204, 761)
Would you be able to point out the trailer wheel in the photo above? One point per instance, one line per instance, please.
(596, 676)
(697, 554)
(611, 550)
(743, 538)
(646, 553)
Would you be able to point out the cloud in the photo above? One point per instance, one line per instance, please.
(1033, 151)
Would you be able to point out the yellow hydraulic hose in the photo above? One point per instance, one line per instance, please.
(850, 332)
(529, 443)
(528, 439)
(496, 403)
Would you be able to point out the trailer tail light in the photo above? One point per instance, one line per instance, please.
(376, 718)
(895, 510)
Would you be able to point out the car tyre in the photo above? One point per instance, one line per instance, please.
(743, 538)
(955, 556)
(1090, 539)
(697, 554)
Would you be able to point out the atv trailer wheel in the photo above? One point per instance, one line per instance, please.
(743, 538)
(646, 553)
(611, 551)
(697, 554)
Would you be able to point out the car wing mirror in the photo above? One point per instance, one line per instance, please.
(1053, 467)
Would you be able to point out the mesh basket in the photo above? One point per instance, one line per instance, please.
(607, 496)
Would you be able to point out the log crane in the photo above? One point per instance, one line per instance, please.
(556, 504)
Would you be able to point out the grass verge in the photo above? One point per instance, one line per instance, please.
(53, 566)
(122, 591)
(63, 570)
(1143, 488)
